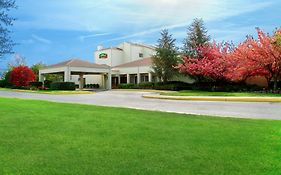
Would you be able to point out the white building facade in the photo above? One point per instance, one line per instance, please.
(125, 63)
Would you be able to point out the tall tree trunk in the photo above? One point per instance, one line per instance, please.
(275, 80)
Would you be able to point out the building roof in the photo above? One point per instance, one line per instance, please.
(115, 48)
(143, 45)
(137, 63)
(136, 44)
(78, 63)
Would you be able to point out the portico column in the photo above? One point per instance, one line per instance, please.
(81, 81)
(41, 77)
(109, 79)
(67, 75)
(149, 77)
(138, 78)
(128, 78)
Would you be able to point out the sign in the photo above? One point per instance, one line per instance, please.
(103, 56)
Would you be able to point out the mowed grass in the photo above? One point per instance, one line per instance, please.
(39, 137)
(230, 94)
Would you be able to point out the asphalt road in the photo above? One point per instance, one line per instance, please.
(258, 110)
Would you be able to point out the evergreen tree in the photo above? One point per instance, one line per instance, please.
(166, 58)
(197, 35)
(6, 43)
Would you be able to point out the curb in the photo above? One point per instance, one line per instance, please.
(142, 90)
(231, 99)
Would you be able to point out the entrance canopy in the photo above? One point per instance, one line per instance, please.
(78, 67)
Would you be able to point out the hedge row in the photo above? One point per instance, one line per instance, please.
(62, 86)
(36, 84)
(5, 83)
(207, 86)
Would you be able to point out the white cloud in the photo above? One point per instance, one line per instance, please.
(82, 38)
(137, 15)
(41, 39)
(130, 19)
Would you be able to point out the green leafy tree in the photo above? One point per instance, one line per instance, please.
(35, 68)
(166, 58)
(50, 77)
(197, 35)
(6, 43)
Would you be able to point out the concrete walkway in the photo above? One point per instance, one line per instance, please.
(260, 110)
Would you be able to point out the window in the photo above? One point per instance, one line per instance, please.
(141, 55)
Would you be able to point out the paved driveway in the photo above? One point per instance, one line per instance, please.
(135, 100)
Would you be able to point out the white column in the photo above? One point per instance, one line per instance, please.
(67, 75)
(128, 78)
(81, 81)
(41, 77)
(138, 78)
(149, 77)
(108, 82)
(103, 80)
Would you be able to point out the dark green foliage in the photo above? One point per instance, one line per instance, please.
(4, 83)
(47, 83)
(143, 85)
(172, 86)
(197, 35)
(92, 86)
(166, 58)
(128, 86)
(36, 84)
(36, 67)
(278, 85)
(200, 86)
(6, 80)
(224, 87)
(63, 86)
(146, 85)
(6, 43)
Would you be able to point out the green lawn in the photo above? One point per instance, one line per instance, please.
(39, 137)
(234, 94)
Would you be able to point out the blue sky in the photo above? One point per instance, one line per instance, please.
(50, 31)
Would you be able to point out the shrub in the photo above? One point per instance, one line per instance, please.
(97, 86)
(92, 86)
(36, 84)
(63, 86)
(127, 86)
(5, 83)
(47, 83)
(224, 87)
(21, 76)
(146, 85)
(271, 84)
(172, 85)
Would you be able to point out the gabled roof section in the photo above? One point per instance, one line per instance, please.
(78, 63)
(137, 63)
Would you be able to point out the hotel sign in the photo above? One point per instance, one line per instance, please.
(103, 56)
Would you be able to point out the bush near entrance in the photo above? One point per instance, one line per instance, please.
(36, 84)
(62, 86)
